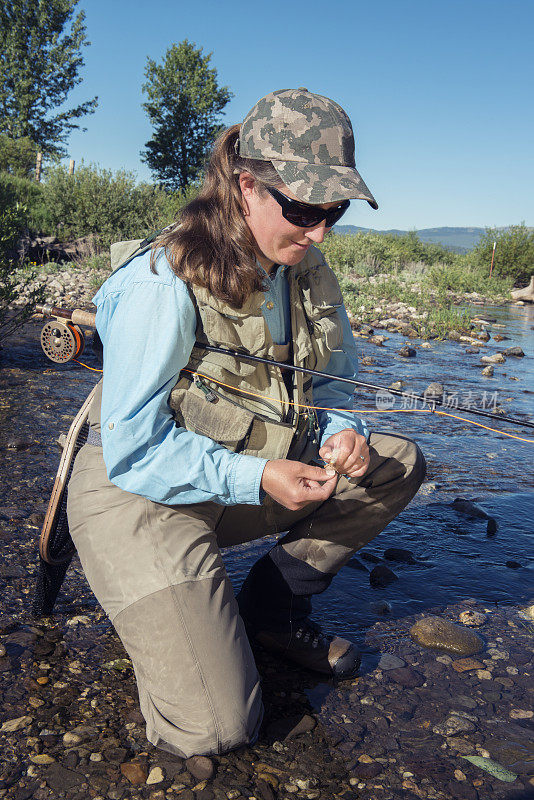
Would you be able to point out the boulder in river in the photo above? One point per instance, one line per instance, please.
(382, 576)
(464, 506)
(407, 352)
(514, 351)
(487, 372)
(496, 358)
(440, 634)
(434, 390)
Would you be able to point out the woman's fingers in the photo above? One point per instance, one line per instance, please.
(294, 485)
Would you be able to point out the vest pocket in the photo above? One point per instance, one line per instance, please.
(236, 331)
(219, 419)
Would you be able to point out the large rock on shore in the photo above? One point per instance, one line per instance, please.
(526, 294)
(440, 634)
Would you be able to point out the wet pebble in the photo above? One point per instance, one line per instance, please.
(407, 352)
(405, 676)
(135, 772)
(155, 775)
(453, 725)
(472, 618)
(438, 633)
(488, 371)
(200, 767)
(389, 661)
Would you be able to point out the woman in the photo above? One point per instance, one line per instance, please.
(193, 449)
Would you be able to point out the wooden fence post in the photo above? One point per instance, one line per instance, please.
(71, 167)
(38, 163)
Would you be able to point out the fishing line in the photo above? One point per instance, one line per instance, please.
(358, 411)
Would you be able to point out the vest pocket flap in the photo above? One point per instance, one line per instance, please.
(221, 420)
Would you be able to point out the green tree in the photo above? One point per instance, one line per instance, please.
(184, 103)
(514, 252)
(17, 156)
(40, 61)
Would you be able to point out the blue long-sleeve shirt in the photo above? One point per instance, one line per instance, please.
(147, 324)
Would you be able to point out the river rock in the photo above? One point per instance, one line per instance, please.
(388, 661)
(200, 767)
(487, 372)
(464, 506)
(155, 775)
(405, 676)
(378, 340)
(528, 612)
(472, 350)
(454, 336)
(382, 576)
(381, 607)
(514, 351)
(135, 772)
(400, 555)
(472, 618)
(304, 725)
(426, 345)
(17, 724)
(440, 634)
(367, 361)
(435, 390)
(496, 358)
(454, 725)
(407, 352)
(398, 385)
(511, 564)
(526, 294)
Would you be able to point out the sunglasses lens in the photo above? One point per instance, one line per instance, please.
(303, 219)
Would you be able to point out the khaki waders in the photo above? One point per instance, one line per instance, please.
(158, 573)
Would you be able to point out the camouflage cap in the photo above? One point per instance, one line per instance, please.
(310, 142)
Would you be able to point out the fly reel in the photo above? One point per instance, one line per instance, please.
(62, 340)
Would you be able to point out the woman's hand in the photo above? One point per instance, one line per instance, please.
(347, 452)
(294, 485)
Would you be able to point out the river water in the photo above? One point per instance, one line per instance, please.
(455, 557)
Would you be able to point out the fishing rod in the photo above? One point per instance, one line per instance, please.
(62, 340)
(429, 400)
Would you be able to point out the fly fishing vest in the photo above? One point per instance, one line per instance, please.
(246, 406)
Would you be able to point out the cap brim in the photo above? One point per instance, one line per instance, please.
(320, 183)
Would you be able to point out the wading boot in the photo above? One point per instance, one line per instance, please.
(279, 620)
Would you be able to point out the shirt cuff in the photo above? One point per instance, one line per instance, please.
(245, 480)
(334, 423)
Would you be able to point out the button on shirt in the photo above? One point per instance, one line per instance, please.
(147, 324)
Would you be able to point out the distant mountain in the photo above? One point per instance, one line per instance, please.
(460, 240)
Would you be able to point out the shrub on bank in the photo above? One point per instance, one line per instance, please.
(371, 253)
(514, 253)
(110, 205)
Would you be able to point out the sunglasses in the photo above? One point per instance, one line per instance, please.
(304, 215)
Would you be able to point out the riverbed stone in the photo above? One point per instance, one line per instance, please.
(488, 371)
(17, 724)
(454, 725)
(466, 665)
(135, 772)
(200, 767)
(405, 676)
(441, 634)
(407, 352)
(514, 351)
(473, 619)
(382, 576)
(496, 358)
(400, 555)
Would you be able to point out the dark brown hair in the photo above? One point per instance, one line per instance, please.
(211, 244)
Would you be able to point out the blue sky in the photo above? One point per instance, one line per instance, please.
(439, 93)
